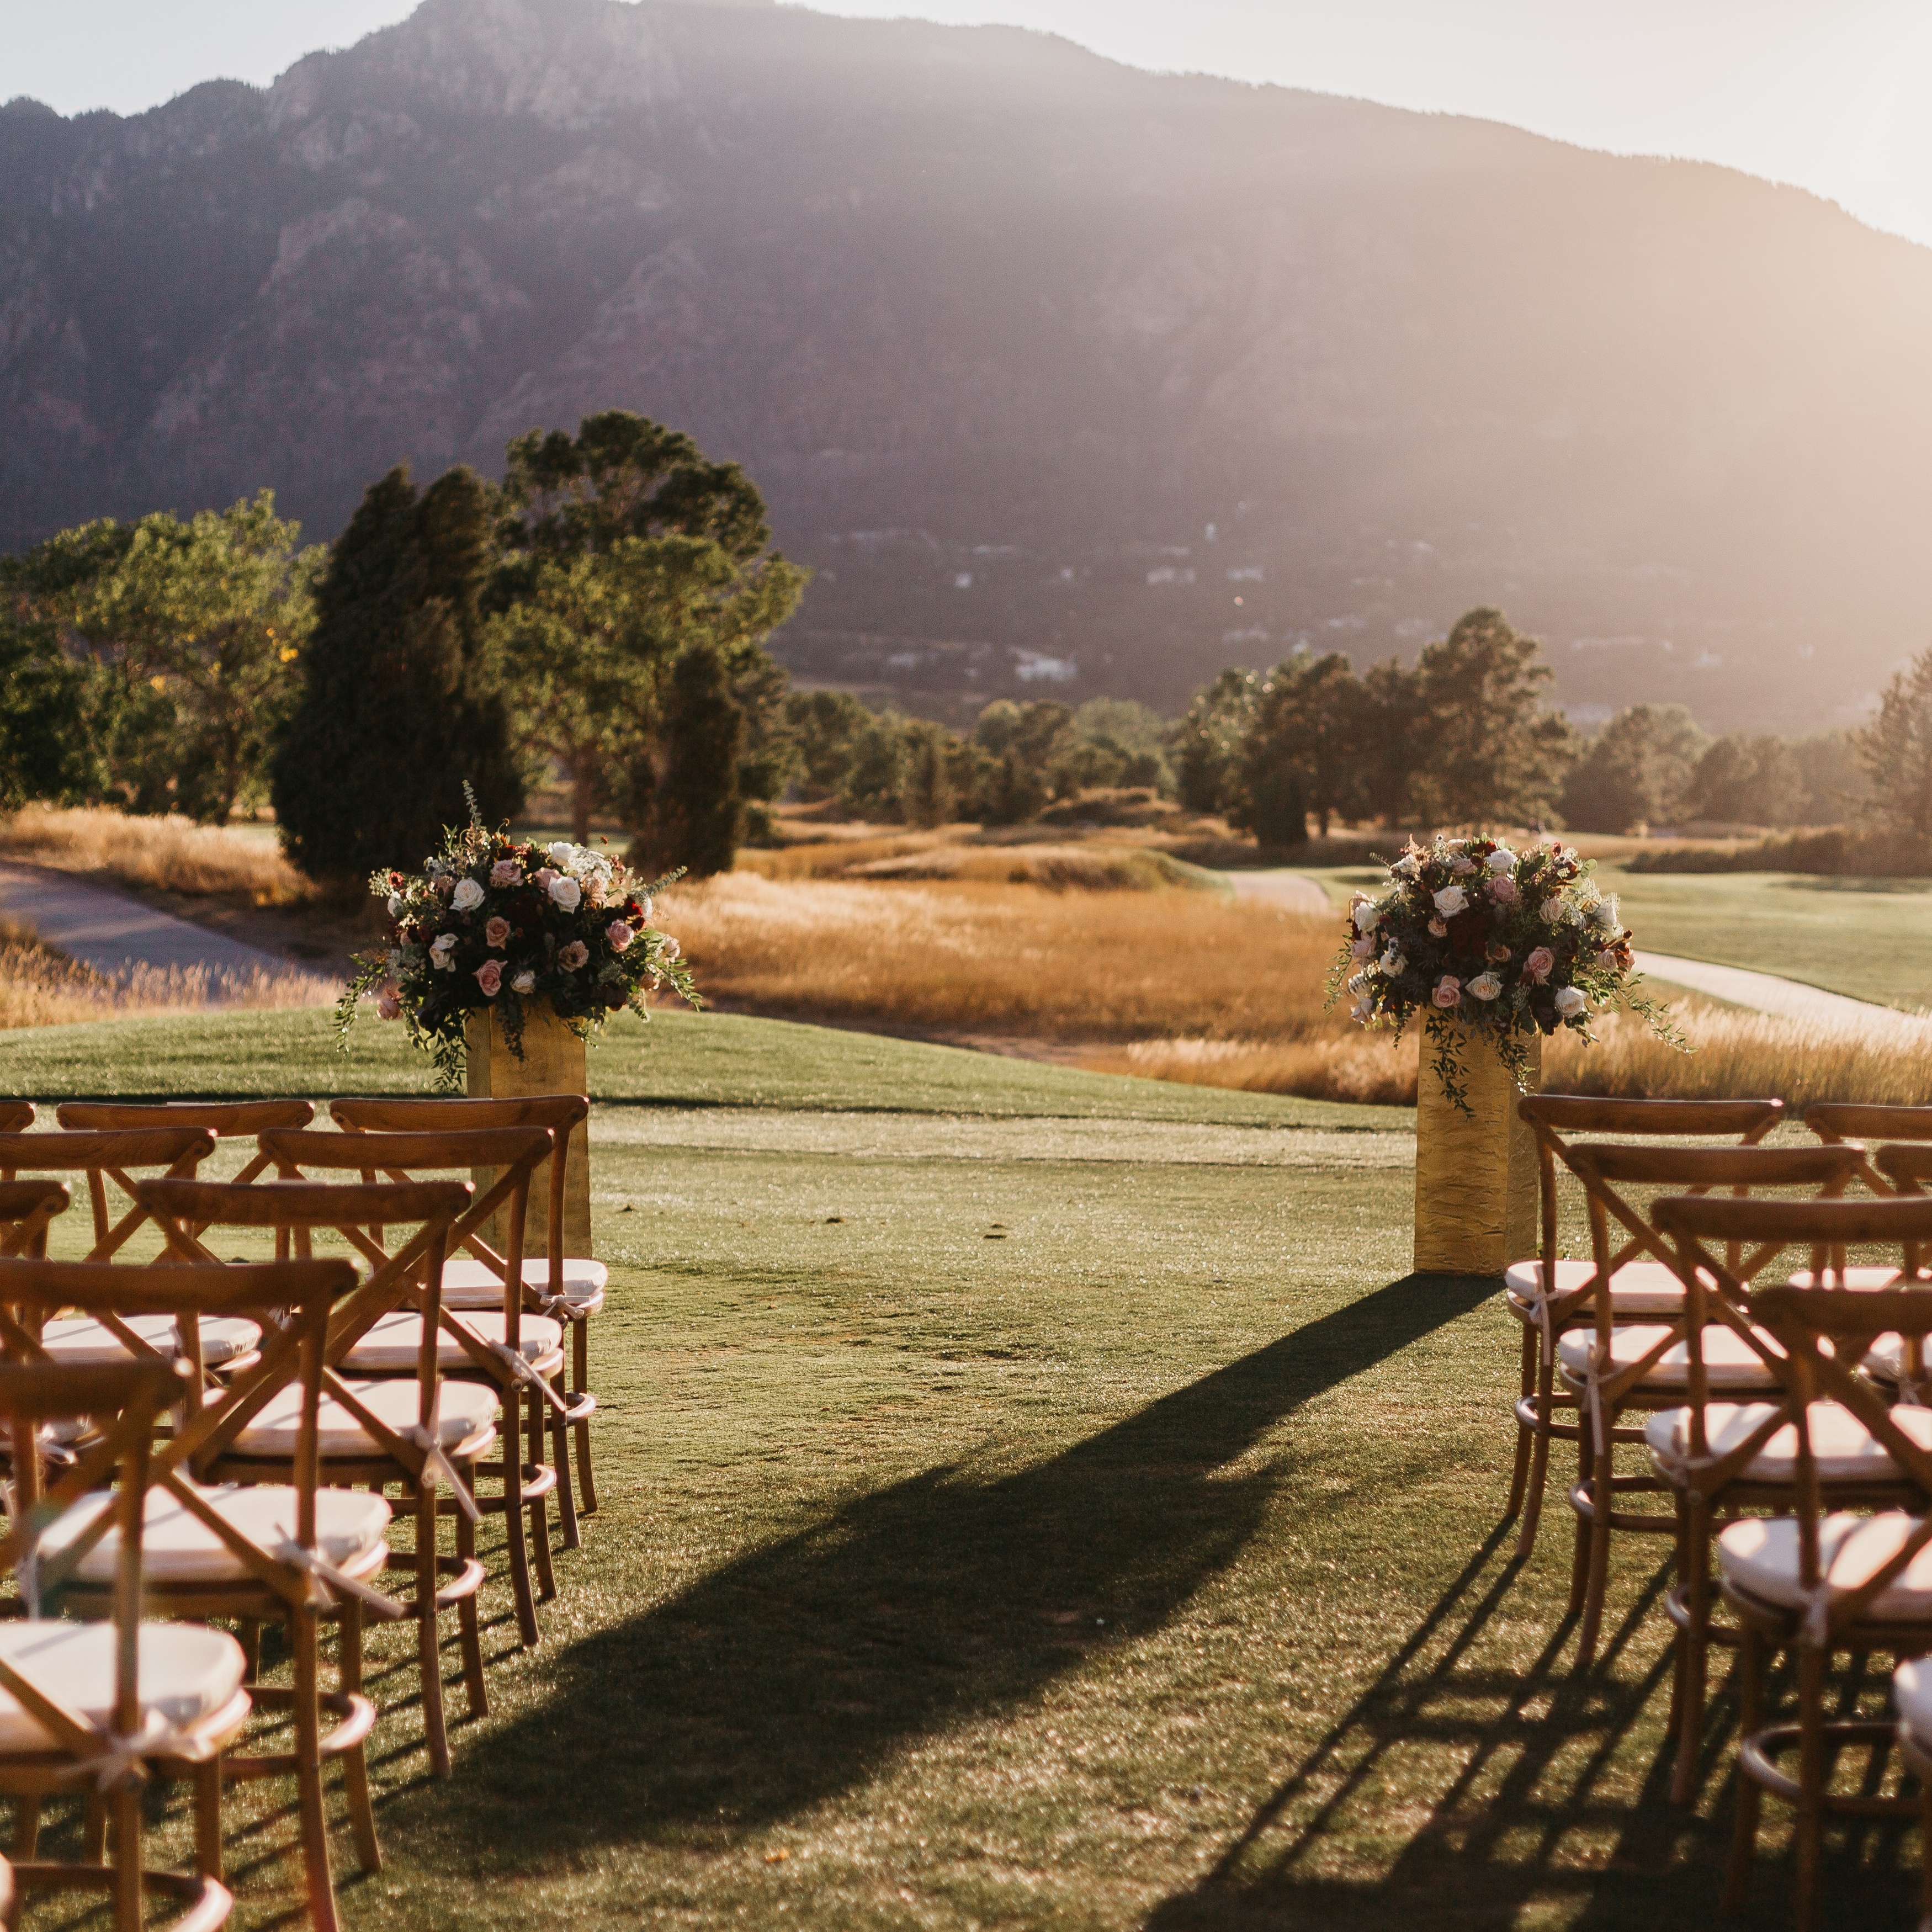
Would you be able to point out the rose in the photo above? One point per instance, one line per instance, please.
(1366, 913)
(467, 897)
(1607, 962)
(1485, 985)
(1497, 951)
(1502, 859)
(1570, 1002)
(1448, 991)
(1450, 900)
(1502, 889)
(1392, 962)
(573, 955)
(1553, 912)
(544, 875)
(441, 948)
(1463, 865)
(496, 932)
(1604, 912)
(594, 883)
(506, 872)
(1536, 967)
(1404, 868)
(567, 893)
(388, 1007)
(525, 982)
(562, 853)
(1364, 948)
(490, 976)
(619, 935)
(1437, 929)
(670, 949)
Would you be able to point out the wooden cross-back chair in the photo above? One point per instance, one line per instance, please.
(415, 1432)
(225, 1120)
(1819, 1581)
(1899, 1169)
(1611, 1367)
(15, 1116)
(571, 1288)
(519, 1355)
(292, 1554)
(1548, 1292)
(98, 1706)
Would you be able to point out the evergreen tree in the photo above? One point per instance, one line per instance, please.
(1896, 751)
(691, 813)
(1636, 769)
(1208, 741)
(399, 704)
(925, 795)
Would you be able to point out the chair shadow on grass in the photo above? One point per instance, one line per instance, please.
(790, 1674)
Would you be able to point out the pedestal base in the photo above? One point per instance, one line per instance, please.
(552, 1063)
(1475, 1173)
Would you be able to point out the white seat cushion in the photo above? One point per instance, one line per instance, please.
(1885, 1358)
(469, 1283)
(1912, 1692)
(1730, 1362)
(465, 1413)
(78, 1341)
(394, 1339)
(176, 1547)
(1760, 1554)
(1862, 1279)
(1845, 1448)
(188, 1672)
(1637, 1288)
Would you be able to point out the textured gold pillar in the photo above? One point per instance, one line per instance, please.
(552, 1063)
(1475, 1173)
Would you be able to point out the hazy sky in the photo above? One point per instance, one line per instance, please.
(1829, 93)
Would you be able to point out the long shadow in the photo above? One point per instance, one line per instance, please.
(790, 1673)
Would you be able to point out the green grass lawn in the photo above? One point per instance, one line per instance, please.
(1030, 1500)
(1870, 938)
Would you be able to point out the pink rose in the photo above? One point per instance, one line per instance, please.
(387, 1006)
(573, 955)
(1537, 965)
(544, 875)
(619, 935)
(1366, 947)
(1448, 991)
(505, 872)
(1502, 889)
(496, 932)
(489, 977)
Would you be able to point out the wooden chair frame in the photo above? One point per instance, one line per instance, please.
(104, 1156)
(15, 1116)
(1552, 1118)
(292, 1585)
(415, 1460)
(562, 1113)
(116, 1762)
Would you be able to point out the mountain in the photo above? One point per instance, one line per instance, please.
(1065, 377)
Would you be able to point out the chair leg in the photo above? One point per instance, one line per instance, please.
(1925, 1857)
(355, 1761)
(1693, 1570)
(512, 1435)
(127, 1888)
(1539, 1464)
(1751, 1663)
(26, 1830)
(580, 1380)
(566, 1497)
(1810, 1783)
(1579, 1553)
(208, 1860)
(1525, 1436)
(538, 1509)
(469, 1626)
(94, 1829)
(1603, 1497)
(304, 1633)
(429, 1651)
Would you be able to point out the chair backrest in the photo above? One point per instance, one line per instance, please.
(226, 1120)
(1835, 1120)
(105, 1156)
(563, 1114)
(15, 1116)
(1825, 1334)
(26, 1206)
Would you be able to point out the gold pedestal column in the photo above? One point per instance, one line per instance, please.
(552, 1063)
(1475, 1173)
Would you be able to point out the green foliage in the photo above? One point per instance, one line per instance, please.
(184, 633)
(824, 726)
(1207, 743)
(687, 808)
(1896, 751)
(47, 747)
(1742, 780)
(876, 774)
(1636, 769)
(926, 794)
(1394, 739)
(1302, 749)
(400, 703)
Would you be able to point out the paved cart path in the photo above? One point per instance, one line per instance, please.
(1766, 993)
(1295, 890)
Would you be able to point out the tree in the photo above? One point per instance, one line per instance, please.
(188, 631)
(624, 548)
(1636, 769)
(1834, 783)
(1307, 720)
(1747, 781)
(400, 702)
(1130, 737)
(1492, 754)
(1896, 751)
(1207, 742)
(1390, 744)
(691, 813)
(823, 725)
(877, 773)
(45, 745)
(925, 795)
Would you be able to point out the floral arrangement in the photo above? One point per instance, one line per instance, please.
(1506, 945)
(494, 923)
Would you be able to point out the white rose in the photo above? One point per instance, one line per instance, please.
(1367, 916)
(467, 896)
(395, 903)
(1570, 1002)
(441, 949)
(561, 853)
(1404, 868)
(1484, 986)
(525, 982)
(1553, 911)
(1605, 912)
(1450, 900)
(567, 893)
(1502, 859)
(1392, 962)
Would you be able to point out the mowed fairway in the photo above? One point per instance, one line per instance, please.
(1029, 1499)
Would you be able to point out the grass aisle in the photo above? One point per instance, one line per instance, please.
(1041, 1508)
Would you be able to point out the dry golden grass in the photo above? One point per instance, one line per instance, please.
(171, 853)
(1367, 1068)
(40, 986)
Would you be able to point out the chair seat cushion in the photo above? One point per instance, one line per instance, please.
(1729, 1361)
(176, 1547)
(188, 1672)
(1885, 1358)
(393, 1340)
(1912, 1692)
(1863, 1279)
(80, 1341)
(469, 1283)
(1845, 1450)
(1759, 1555)
(466, 1415)
(1637, 1288)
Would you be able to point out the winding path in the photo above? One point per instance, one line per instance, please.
(1766, 993)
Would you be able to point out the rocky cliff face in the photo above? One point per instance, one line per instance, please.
(1066, 377)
